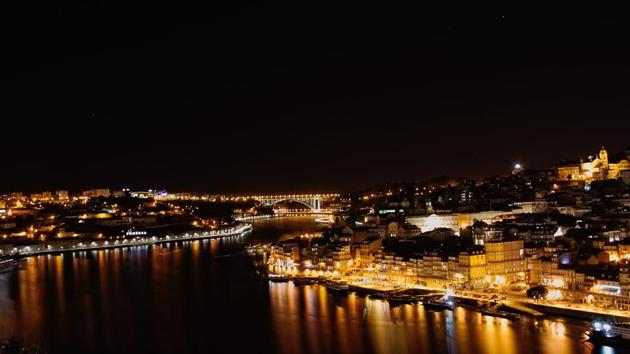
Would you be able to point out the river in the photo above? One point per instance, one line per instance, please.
(203, 297)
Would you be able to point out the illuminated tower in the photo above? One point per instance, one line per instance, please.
(603, 163)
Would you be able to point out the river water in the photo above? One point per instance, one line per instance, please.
(203, 297)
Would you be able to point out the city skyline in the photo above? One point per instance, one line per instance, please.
(504, 170)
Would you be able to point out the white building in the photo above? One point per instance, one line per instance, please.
(456, 221)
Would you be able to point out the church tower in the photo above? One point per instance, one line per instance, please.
(603, 163)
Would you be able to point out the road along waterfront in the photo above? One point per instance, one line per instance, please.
(30, 250)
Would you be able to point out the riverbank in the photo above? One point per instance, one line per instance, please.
(32, 250)
(519, 305)
(577, 313)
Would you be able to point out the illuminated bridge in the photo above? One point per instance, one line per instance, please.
(312, 201)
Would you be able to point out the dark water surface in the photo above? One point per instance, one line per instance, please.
(203, 297)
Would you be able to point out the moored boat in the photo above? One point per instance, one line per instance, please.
(337, 286)
(438, 305)
(278, 278)
(398, 298)
(610, 334)
(304, 281)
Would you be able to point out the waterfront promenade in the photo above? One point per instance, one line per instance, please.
(32, 250)
(519, 302)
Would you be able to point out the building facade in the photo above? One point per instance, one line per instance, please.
(506, 259)
(597, 168)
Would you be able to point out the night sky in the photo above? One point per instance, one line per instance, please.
(245, 97)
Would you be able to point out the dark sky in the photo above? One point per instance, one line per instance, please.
(302, 97)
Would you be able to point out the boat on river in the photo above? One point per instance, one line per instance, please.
(401, 298)
(278, 278)
(610, 334)
(438, 305)
(337, 286)
(304, 281)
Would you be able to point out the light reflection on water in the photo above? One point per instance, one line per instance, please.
(189, 298)
(308, 319)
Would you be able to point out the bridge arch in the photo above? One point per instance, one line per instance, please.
(291, 200)
(312, 202)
